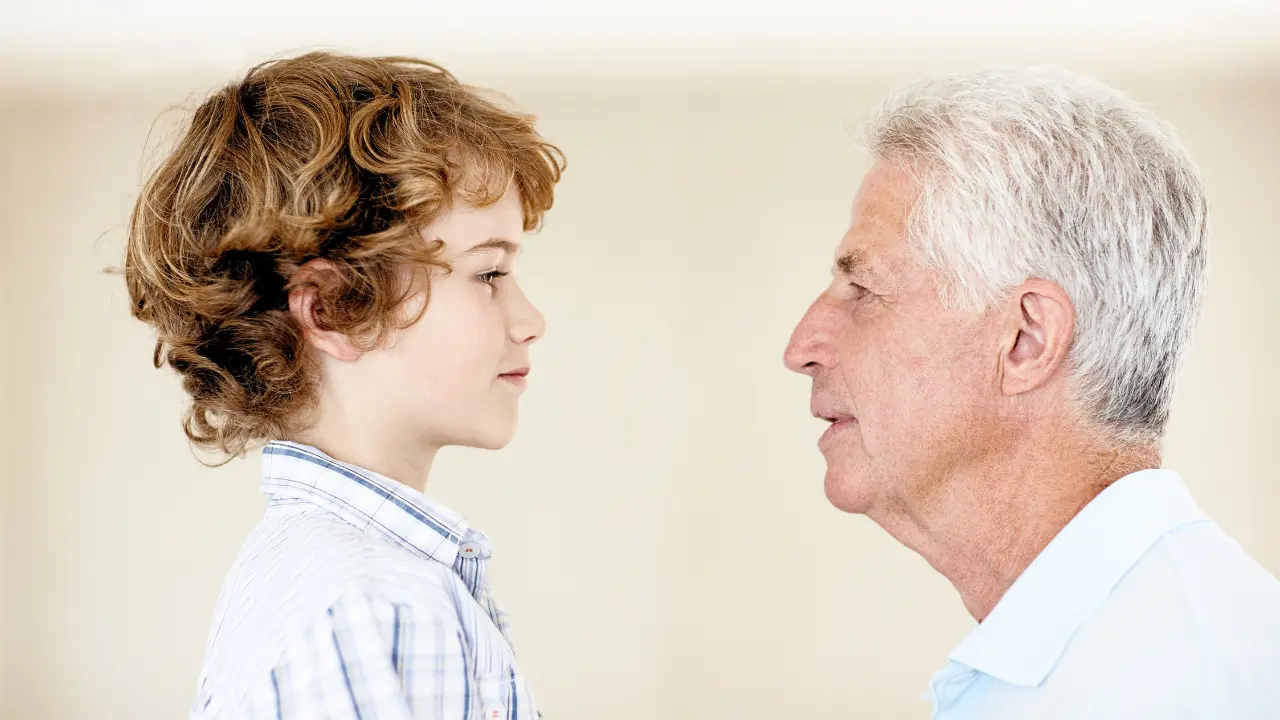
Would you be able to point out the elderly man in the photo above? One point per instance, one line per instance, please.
(995, 356)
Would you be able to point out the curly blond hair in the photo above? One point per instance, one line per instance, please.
(322, 156)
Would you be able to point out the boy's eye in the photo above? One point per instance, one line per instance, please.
(492, 276)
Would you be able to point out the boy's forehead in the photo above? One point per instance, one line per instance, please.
(466, 229)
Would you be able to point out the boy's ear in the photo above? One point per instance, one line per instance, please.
(310, 283)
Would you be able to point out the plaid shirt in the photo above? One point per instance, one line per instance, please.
(357, 597)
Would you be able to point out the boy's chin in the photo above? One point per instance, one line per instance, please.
(490, 438)
(490, 443)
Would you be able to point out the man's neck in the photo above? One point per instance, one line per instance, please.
(986, 524)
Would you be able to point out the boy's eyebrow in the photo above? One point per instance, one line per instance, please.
(493, 244)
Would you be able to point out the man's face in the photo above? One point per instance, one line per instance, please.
(910, 389)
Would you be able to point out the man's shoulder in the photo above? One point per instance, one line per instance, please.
(1193, 630)
(1200, 576)
(1195, 604)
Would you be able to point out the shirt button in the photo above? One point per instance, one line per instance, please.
(470, 549)
(494, 712)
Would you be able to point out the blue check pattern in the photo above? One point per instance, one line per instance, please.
(358, 597)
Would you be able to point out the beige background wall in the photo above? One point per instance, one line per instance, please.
(662, 537)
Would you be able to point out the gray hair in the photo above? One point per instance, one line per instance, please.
(1045, 174)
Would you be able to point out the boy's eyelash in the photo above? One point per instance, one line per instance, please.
(490, 277)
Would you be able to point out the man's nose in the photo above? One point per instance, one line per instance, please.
(810, 348)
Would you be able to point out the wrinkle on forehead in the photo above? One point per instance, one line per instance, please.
(876, 244)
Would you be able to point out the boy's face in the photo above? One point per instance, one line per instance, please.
(455, 376)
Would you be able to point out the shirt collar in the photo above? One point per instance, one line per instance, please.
(1028, 631)
(369, 501)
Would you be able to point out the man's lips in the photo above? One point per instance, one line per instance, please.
(838, 421)
(831, 416)
(838, 425)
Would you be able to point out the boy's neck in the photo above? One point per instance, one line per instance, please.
(385, 453)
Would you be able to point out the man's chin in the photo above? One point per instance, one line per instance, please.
(847, 491)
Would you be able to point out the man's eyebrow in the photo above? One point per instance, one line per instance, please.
(853, 262)
(492, 244)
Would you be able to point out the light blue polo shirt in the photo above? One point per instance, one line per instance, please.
(1141, 607)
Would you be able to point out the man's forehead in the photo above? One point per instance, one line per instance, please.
(864, 249)
(876, 240)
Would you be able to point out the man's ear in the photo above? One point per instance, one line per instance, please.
(1039, 325)
(306, 290)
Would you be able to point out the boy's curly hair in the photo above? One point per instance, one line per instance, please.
(319, 156)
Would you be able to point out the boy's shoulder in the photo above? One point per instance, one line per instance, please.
(298, 564)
